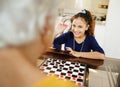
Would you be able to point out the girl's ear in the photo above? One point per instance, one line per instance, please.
(87, 26)
(71, 29)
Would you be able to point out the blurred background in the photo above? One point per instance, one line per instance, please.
(105, 13)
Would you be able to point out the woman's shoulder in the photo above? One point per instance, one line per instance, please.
(58, 82)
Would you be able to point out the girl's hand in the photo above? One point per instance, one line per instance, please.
(72, 52)
(60, 28)
(69, 50)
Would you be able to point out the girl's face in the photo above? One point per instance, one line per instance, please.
(79, 26)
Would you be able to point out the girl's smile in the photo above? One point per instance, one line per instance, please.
(79, 27)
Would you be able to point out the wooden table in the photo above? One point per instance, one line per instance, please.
(104, 68)
(65, 56)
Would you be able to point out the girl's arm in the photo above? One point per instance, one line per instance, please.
(90, 55)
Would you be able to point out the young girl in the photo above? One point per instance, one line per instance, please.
(80, 40)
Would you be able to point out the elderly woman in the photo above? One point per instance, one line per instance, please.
(25, 28)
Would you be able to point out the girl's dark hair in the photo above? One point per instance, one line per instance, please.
(86, 15)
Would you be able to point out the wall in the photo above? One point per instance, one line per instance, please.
(100, 34)
(112, 31)
(67, 4)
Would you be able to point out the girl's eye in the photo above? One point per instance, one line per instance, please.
(73, 25)
(80, 26)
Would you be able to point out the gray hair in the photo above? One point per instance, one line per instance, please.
(20, 20)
